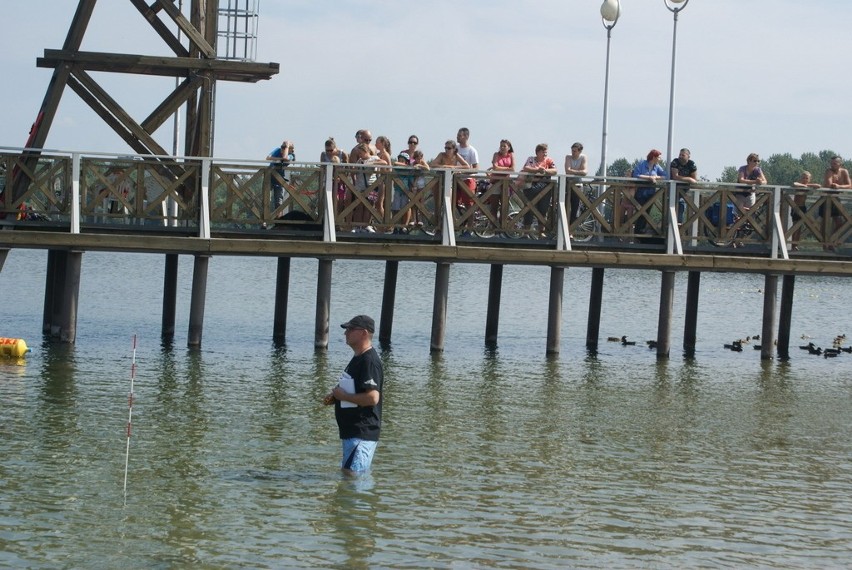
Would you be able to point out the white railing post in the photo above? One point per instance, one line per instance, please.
(448, 236)
(563, 236)
(328, 231)
(673, 243)
(204, 200)
(777, 227)
(75, 193)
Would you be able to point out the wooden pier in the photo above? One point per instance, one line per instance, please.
(71, 206)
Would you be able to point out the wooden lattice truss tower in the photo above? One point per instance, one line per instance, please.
(198, 66)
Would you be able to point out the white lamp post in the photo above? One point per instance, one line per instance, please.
(610, 12)
(675, 7)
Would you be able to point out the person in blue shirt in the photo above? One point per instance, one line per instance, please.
(279, 158)
(649, 171)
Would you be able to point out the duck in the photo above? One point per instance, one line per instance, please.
(815, 350)
(846, 349)
(613, 339)
(736, 346)
(651, 344)
(626, 342)
(755, 337)
(806, 337)
(809, 346)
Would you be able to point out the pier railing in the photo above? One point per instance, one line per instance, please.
(206, 197)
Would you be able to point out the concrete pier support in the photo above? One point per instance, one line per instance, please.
(61, 295)
(70, 296)
(664, 323)
(767, 334)
(170, 279)
(388, 302)
(439, 307)
(593, 328)
(495, 292)
(323, 304)
(196, 303)
(788, 286)
(54, 279)
(554, 309)
(690, 325)
(282, 294)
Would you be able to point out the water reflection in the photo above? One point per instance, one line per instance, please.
(352, 512)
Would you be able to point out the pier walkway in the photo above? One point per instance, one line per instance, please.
(70, 203)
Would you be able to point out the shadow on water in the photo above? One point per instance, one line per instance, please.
(57, 414)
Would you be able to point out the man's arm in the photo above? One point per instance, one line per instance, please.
(362, 399)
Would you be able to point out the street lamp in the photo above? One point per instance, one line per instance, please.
(610, 12)
(675, 7)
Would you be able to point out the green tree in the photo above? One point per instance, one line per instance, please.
(620, 167)
(729, 174)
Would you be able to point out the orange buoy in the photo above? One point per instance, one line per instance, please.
(14, 347)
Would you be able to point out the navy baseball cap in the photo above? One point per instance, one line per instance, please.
(360, 322)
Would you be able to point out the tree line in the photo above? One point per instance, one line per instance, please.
(782, 169)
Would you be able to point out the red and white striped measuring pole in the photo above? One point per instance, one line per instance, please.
(129, 417)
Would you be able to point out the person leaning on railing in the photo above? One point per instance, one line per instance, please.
(648, 170)
(750, 174)
(683, 170)
(836, 177)
(799, 199)
(541, 167)
(502, 163)
(575, 165)
(279, 158)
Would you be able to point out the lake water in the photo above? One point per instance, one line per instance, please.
(489, 458)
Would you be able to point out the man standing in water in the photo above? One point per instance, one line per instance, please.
(357, 398)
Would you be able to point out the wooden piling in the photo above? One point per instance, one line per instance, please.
(323, 304)
(388, 302)
(788, 286)
(495, 292)
(767, 334)
(170, 280)
(554, 309)
(282, 295)
(3, 254)
(664, 323)
(439, 307)
(196, 303)
(593, 327)
(690, 324)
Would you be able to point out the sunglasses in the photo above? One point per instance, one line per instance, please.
(413, 142)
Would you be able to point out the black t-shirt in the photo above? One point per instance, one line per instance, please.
(363, 422)
(683, 169)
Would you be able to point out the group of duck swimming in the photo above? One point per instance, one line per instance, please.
(835, 349)
(737, 345)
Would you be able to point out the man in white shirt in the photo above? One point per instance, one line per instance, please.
(466, 151)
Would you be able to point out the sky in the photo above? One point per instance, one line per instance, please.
(763, 76)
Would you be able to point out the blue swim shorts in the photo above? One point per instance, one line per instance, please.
(358, 454)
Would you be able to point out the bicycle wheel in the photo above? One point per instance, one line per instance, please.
(482, 226)
(584, 231)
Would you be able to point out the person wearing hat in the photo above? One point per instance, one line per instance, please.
(357, 398)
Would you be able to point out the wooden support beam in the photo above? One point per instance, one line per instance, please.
(195, 36)
(150, 14)
(171, 104)
(114, 115)
(222, 70)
